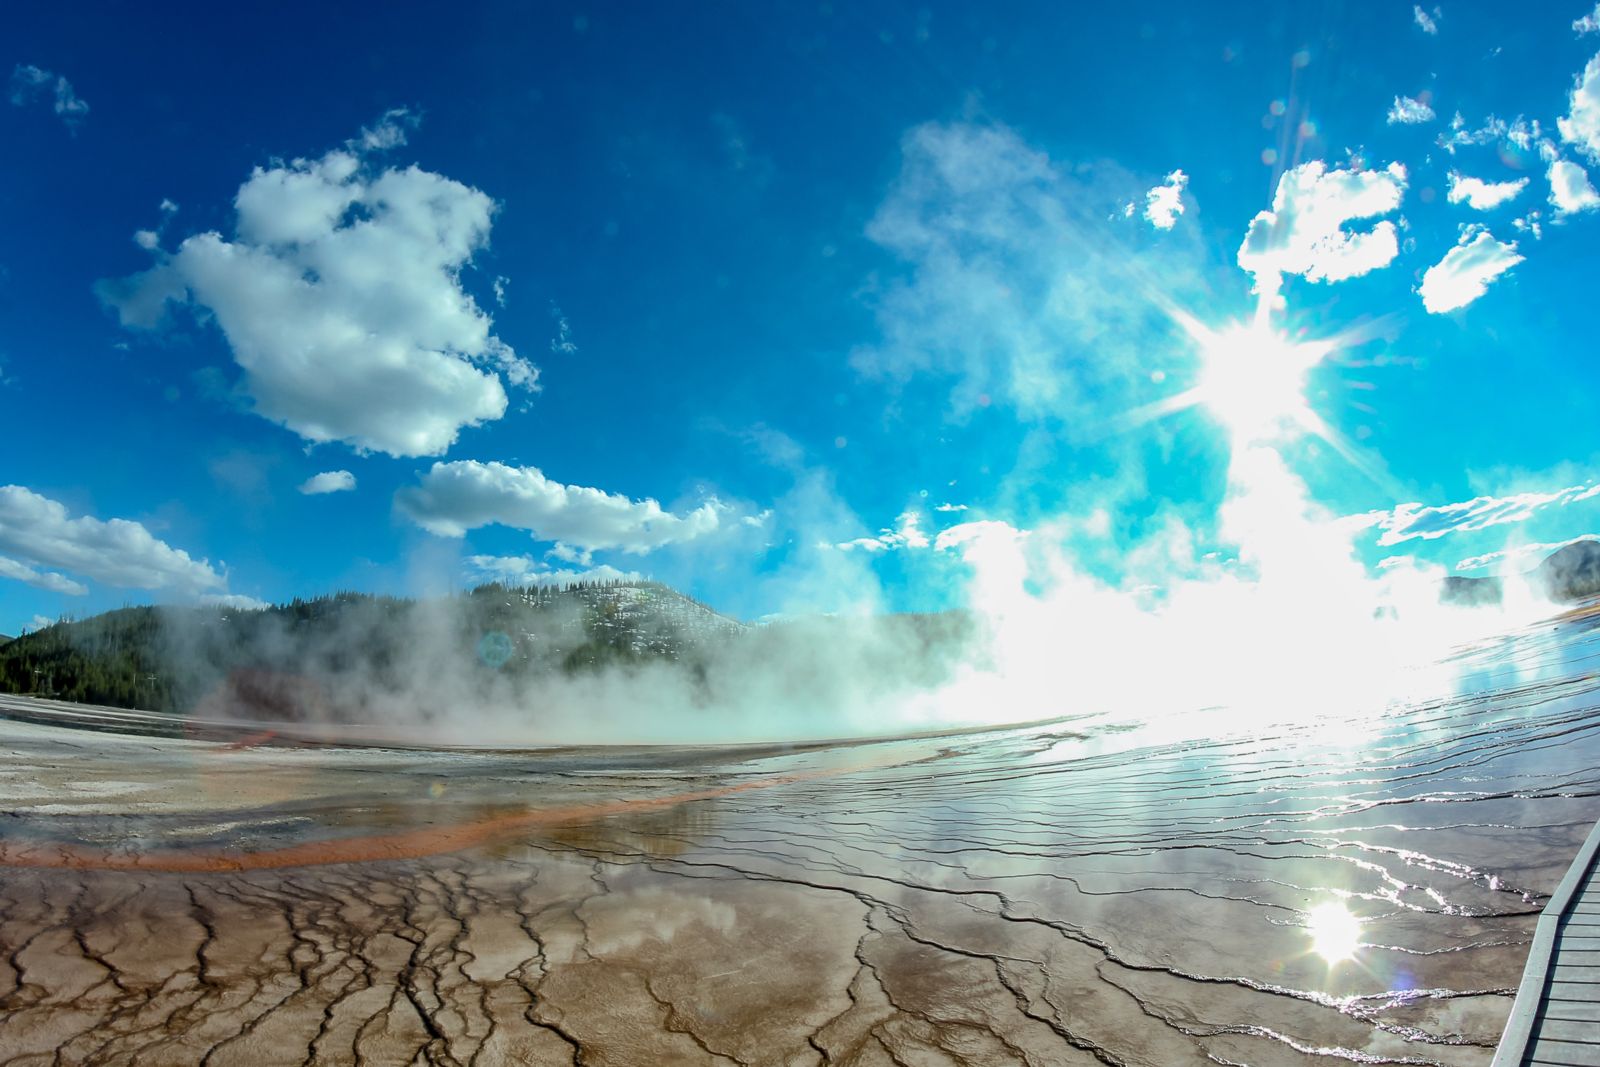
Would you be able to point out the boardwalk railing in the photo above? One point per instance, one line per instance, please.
(1556, 1016)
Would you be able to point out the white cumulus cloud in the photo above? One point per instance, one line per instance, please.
(47, 580)
(1589, 23)
(1408, 111)
(1570, 188)
(906, 533)
(1482, 195)
(1581, 125)
(453, 498)
(1466, 270)
(1164, 203)
(118, 552)
(328, 482)
(969, 536)
(1304, 232)
(28, 83)
(340, 295)
(1428, 23)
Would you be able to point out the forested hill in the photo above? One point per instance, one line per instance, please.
(281, 662)
(1569, 574)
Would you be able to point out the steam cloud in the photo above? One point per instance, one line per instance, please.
(1290, 626)
(1287, 622)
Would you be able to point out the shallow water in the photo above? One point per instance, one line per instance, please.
(1085, 892)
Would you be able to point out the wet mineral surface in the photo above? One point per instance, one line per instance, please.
(1186, 891)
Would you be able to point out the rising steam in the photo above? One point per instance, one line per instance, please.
(1284, 622)
(1288, 625)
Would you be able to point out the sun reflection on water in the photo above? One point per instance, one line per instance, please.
(1335, 933)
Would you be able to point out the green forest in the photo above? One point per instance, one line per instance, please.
(171, 658)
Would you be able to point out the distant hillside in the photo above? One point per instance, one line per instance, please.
(1570, 573)
(324, 658)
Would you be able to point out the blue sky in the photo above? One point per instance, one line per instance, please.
(739, 298)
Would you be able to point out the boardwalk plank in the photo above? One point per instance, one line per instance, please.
(1570, 957)
(1571, 991)
(1565, 973)
(1584, 1011)
(1577, 1031)
(1566, 1054)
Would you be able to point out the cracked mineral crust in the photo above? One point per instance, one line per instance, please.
(1045, 895)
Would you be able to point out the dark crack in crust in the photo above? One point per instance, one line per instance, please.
(997, 899)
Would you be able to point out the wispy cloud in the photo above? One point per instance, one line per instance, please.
(906, 533)
(1464, 274)
(1589, 23)
(1427, 23)
(1529, 224)
(1407, 521)
(524, 570)
(237, 601)
(562, 344)
(1520, 133)
(568, 554)
(1018, 287)
(29, 83)
(1408, 111)
(1515, 559)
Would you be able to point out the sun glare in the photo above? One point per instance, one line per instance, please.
(1335, 933)
(1254, 380)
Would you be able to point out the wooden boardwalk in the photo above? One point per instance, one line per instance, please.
(1556, 1018)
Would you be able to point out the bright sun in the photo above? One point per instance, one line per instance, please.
(1335, 933)
(1254, 380)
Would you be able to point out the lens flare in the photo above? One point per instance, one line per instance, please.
(1254, 380)
(1335, 933)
